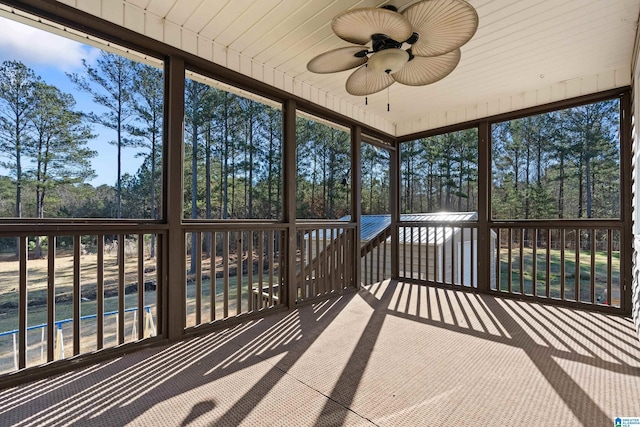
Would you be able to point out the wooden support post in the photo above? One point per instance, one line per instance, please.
(394, 205)
(174, 246)
(356, 206)
(484, 194)
(289, 199)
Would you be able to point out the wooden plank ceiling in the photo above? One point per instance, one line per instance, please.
(524, 53)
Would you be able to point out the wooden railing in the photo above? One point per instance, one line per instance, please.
(376, 258)
(578, 262)
(438, 252)
(324, 258)
(72, 290)
(232, 269)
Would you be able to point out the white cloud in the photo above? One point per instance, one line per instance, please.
(33, 46)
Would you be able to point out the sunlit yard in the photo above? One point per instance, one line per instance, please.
(602, 273)
(37, 301)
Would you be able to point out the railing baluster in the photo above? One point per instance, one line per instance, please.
(427, 254)
(474, 260)
(548, 266)
(521, 261)
(497, 260)
(198, 272)
(140, 286)
(100, 292)
(317, 265)
(260, 268)
(121, 288)
(378, 266)
(342, 258)
(404, 251)
(23, 255)
(305, 273)
(609, 262)
(51, 295)
(443, 266)
(535, 261)
(77, 295)
(225, 273)
(271, 268)
(411, 274)
(577, 275)
(366, 270)
(592, 234)
(510, 260)
(384, 257)
(250, 271)
(461, 269)
(371, 264)
(239, 271)
(335, 253)
(419, 253)
(212, 276)
(325, 261)
(563, 244)
(451, 261)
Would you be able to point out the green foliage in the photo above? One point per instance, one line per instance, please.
(111, 86)
(44, 140)
(440, 173)
(375, 180)
(233, 155)
(562, 164)
(324, 162)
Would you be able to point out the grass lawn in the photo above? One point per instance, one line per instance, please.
(571, 280)
(37, 309)
(37, 276)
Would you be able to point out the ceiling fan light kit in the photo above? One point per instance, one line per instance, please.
(416, 47)
(388, 61)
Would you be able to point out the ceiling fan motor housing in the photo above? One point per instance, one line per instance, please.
(382, 41)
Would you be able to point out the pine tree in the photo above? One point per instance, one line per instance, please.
(17, 96)
(59, 148)
(148, 104)
(110, 84)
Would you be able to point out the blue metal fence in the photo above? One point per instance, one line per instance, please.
(59, 323)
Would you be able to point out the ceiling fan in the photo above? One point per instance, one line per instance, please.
(416, 47)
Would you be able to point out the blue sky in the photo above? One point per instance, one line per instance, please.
(51, 56)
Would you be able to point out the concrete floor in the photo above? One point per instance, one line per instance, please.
(394, 354)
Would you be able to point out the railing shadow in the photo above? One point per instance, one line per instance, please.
(547, 334)
(122, 390)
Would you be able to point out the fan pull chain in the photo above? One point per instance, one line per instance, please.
(366, 81)
(388, 103)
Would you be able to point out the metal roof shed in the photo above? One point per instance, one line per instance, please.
(439, 251)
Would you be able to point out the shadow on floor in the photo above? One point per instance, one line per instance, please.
(120, 391)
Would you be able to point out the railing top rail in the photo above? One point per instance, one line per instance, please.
(329, 223)
(471, 223)
(585, 223)
(73, 229)
(197, 226)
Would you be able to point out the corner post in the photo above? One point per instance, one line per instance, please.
(356, 205)
(173, 248)
(394, 207)
(289, 196)
(483, 251)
